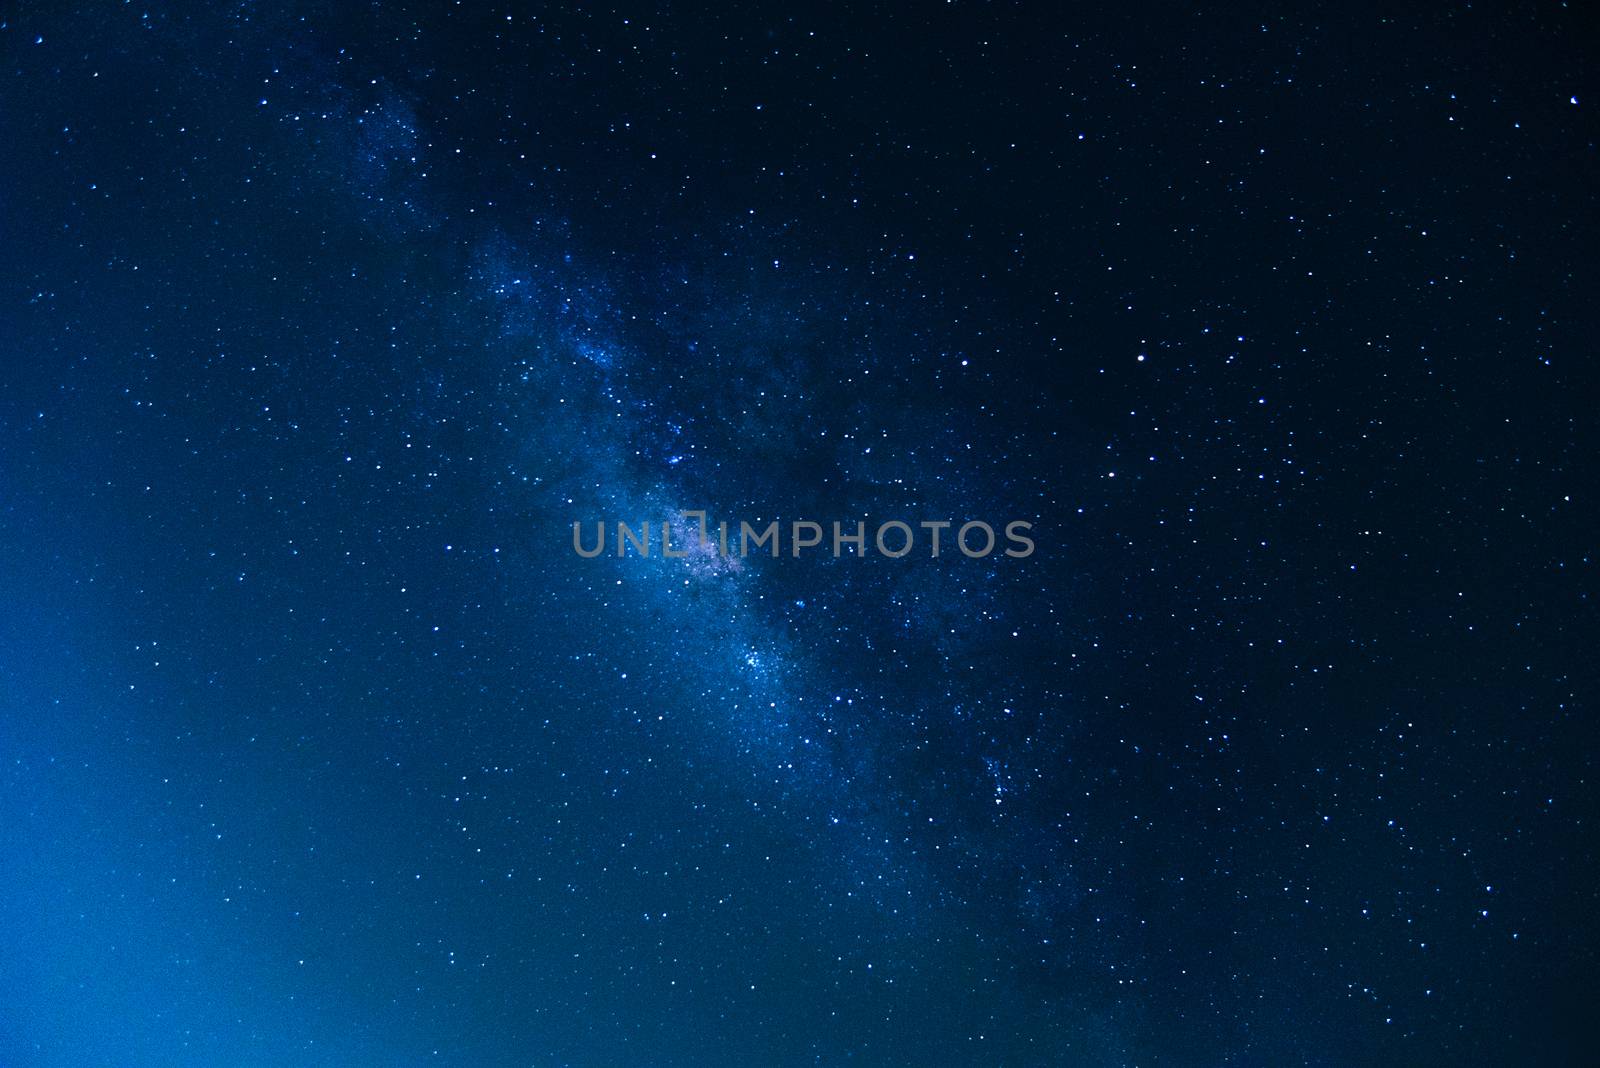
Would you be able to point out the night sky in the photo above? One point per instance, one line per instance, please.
(321, 324)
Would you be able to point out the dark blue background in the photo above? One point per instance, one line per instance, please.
(318, 329)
